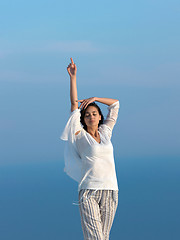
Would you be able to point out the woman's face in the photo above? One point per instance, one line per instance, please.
(92, 117)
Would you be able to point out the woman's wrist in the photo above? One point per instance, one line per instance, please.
(73, 78)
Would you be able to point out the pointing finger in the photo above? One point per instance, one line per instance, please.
(72, 61)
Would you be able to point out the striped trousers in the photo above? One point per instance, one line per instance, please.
(97, 210)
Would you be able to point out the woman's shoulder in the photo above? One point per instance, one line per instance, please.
(80, 133)
(105, 130)
(77, 132)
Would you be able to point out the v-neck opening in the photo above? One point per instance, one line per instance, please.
(94, 138)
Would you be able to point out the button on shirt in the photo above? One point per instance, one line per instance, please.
(88, 162)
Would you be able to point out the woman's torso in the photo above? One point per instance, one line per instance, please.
(98, 168)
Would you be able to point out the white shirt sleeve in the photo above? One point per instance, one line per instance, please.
(111, 118)
(72, 159)
(73, 125)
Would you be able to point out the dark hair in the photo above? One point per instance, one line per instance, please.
(83, 111)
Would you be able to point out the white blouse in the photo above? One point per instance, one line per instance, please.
(88, 162)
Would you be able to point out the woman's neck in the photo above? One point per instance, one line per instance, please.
(93, 131)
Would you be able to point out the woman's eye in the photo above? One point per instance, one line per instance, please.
(89, 115)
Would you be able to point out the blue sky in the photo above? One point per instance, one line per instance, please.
(140, 38)
(125, 50)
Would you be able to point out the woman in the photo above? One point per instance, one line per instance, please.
(89, 160)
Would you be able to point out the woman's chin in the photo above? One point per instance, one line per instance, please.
(92, 124)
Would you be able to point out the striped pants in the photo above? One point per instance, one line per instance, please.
(97, 210)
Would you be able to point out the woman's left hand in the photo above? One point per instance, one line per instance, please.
(85, 102)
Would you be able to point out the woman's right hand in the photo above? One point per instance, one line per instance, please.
(72, 69)
(85, 102)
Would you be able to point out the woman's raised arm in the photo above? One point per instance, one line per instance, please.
(107, 101)
(72, 69)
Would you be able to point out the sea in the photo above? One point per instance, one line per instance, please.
(36, 201)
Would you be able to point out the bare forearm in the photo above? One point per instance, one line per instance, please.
(73, 91)
(107, 101)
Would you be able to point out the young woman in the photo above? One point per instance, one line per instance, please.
(89, 160)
